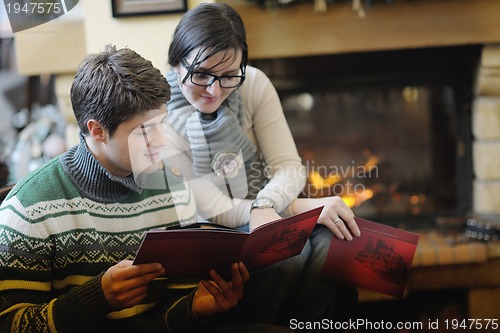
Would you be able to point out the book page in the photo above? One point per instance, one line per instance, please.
(380, 260)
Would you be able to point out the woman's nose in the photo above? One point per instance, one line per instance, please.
(215, 88)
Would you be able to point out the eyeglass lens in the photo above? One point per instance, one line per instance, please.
(206, 79)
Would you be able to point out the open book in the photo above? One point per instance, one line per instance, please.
(192, 251)
(379, 260)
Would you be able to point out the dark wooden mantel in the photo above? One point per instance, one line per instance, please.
(299, 31)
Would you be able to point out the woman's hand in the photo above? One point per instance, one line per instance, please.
(125, 285)
(261, 216)
(336, 215)
(216, 296)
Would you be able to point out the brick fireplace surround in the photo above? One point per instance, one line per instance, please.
(486, 131)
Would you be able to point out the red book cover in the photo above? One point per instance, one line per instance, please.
(193, 252)
(379, 260)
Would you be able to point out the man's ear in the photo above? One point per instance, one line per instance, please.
(96, 131)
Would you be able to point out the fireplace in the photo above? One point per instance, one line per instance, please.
(388, 131)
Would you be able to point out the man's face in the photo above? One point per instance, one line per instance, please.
(136, 144)
(208, 99)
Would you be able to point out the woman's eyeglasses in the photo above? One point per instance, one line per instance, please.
(206, 79)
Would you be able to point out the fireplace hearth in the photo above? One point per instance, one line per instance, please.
(388, 131)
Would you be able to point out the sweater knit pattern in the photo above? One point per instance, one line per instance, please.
(60, 228)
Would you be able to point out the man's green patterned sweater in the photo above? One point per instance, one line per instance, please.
(61, 227)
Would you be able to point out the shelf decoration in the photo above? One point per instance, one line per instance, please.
(320, 6)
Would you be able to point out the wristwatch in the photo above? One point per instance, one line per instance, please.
(263, 203)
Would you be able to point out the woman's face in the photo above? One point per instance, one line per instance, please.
(208, 99)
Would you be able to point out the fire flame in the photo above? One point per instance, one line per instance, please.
(353, 191)
(352, 198)
(318, 181)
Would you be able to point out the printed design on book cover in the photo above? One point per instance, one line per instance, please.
(383, 260)
(379, 260)
(288, 240)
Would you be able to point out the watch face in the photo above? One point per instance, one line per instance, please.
(263, 203)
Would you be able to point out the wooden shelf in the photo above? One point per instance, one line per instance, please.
(299, 31)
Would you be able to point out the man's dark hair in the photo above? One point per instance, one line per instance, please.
(114, 86)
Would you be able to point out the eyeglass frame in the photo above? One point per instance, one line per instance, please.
(190, 72)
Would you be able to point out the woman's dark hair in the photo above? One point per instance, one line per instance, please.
(211, 27)
(114, 86)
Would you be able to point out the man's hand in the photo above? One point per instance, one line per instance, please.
(216, 296)
(125, 285)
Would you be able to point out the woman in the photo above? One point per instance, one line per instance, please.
(217, 97)
(222, 107)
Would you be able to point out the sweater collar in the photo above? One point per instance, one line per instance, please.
(92, 180)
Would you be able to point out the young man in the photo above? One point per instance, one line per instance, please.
(69, 230)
